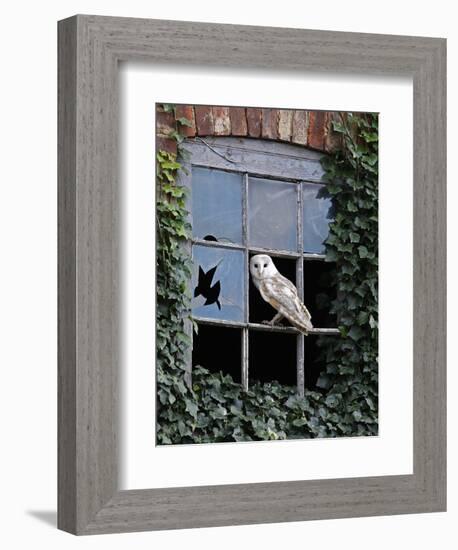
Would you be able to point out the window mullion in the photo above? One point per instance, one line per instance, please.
(245, 341)
(300, 344)
(245, 356)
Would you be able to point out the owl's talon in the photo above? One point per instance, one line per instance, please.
(276, 319)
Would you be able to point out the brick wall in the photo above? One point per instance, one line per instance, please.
(311, 129)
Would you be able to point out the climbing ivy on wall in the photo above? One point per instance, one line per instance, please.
(351, 374)
(215, 408)
(172, 273)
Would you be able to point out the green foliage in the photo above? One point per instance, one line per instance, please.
(345, 402)
(217, 410)
(173, 269)
(352, 362)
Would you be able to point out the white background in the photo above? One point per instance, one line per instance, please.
(28, 272)
(390, 452)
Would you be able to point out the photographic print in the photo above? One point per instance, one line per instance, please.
(266, 274)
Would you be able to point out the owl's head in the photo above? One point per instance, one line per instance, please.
(262, 266)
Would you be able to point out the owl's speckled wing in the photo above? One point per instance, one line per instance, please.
(281, 294)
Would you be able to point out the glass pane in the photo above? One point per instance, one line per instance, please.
(218, 283)
(217, 205)
(272, 214)
(317, 215)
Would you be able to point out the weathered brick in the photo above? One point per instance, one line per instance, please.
(316, 130)
(333, 140)
(285, 124)
(164, 143)
(300, 127)
(204, 120)
(254, 120)
(187, 112)
(238, 121)
(165, 123)
(221, 121)
(270, 123)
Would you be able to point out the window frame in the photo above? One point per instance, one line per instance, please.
(257, 158)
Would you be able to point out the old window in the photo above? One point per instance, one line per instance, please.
(249, 197)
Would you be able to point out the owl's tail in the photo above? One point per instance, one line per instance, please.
(304, 323)
(304, 328)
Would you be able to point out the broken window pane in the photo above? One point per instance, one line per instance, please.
(272, 214)
(320, 291)
(217, 205)
(218, 283)
(317, 215)
(207, 345)
(272, 356)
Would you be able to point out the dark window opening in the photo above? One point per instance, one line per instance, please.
(319, 291)
(314, 363)
(272, 356)
(261, 310)
(218, 349)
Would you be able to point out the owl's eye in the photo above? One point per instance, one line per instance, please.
(256, 265)
(265, 265)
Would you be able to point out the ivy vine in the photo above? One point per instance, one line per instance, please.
(351, 373)
(215, 408)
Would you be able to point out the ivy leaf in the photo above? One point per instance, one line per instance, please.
(356, 332)
(323, 382)
(291, 402)
(363, 252)
(332, 400)
(219, 412)
(362, 317)
(370, 402)
(354, 237)
(331, 255)
(234, 410)
(338, 127)
(184, 122)
(357, 415)
(299, 422)
(191, 408)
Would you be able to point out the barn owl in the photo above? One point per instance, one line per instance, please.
(280, 293)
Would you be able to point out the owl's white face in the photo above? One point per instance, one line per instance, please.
(262, 266)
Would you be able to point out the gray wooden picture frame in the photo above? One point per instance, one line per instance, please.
(90, 49)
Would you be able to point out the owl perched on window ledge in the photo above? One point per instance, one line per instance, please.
(280, 293)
